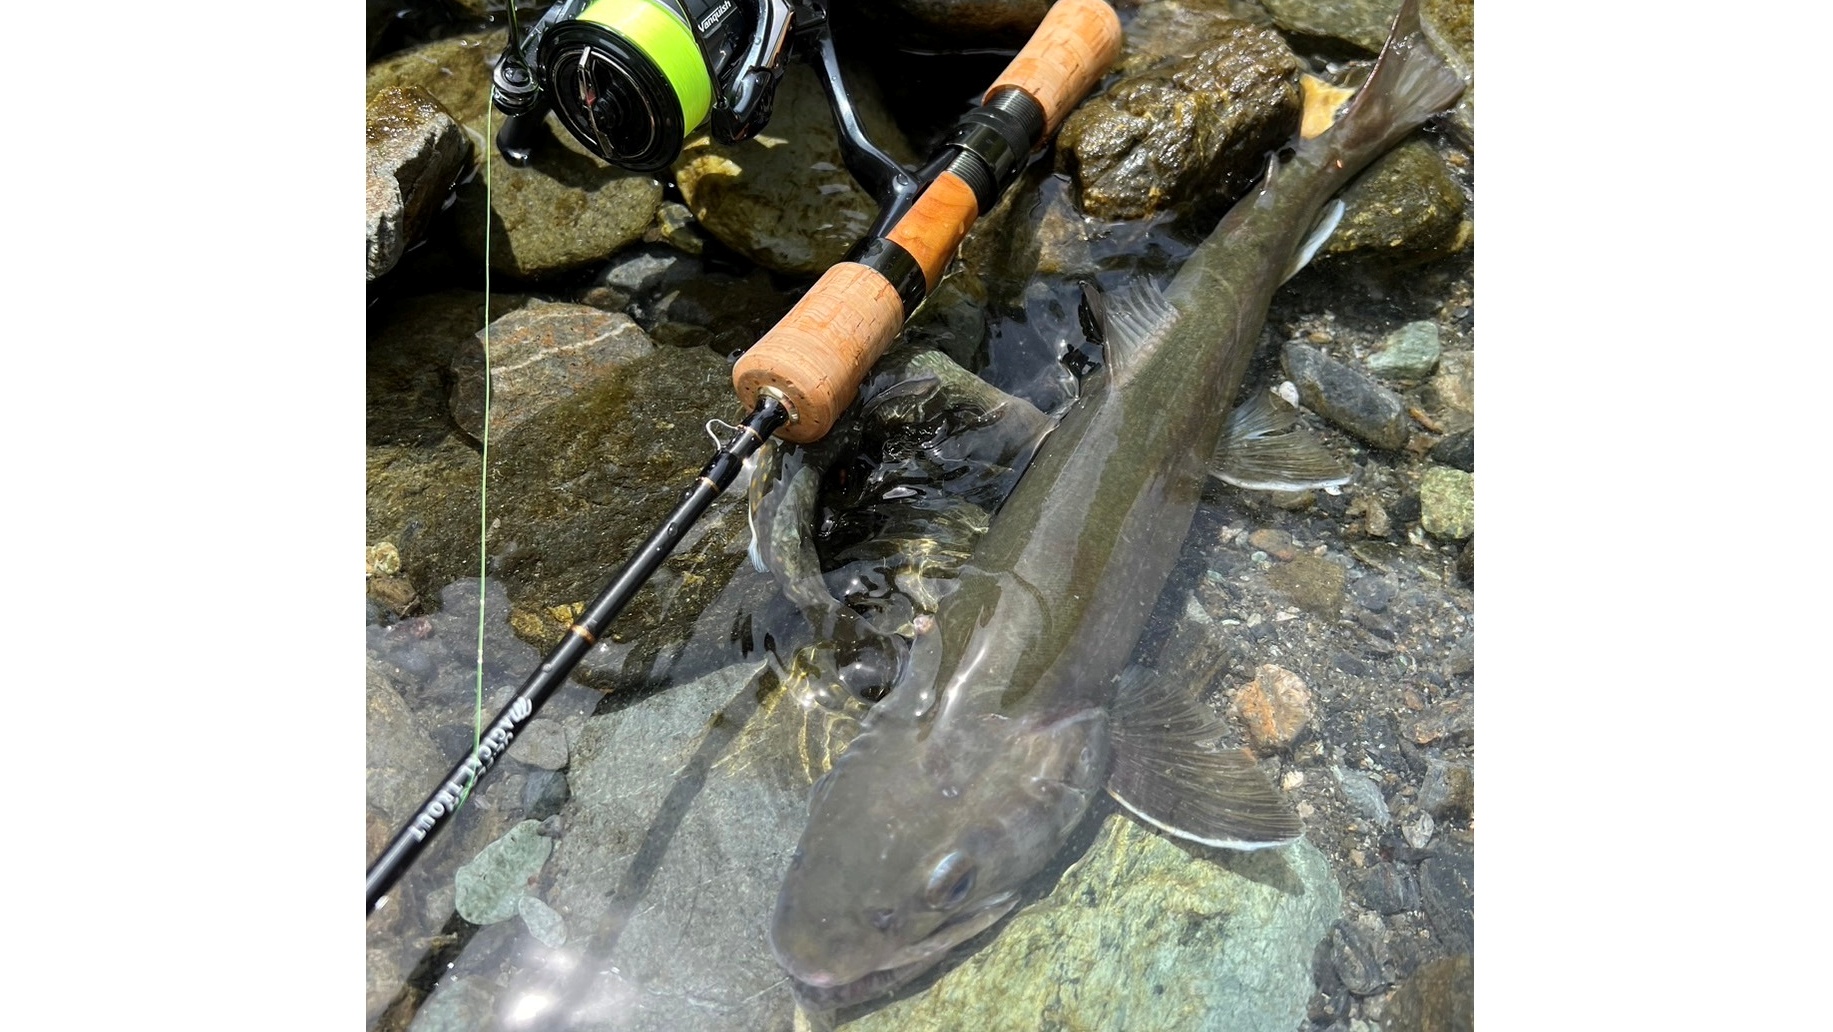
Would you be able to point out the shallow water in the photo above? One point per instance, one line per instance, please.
(685, 788)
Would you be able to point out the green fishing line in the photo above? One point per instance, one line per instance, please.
(483, 474)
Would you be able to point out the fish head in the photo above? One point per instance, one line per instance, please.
(920, 837)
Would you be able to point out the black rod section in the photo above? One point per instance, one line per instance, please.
(439, 807)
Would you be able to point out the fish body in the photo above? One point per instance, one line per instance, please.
(1015, 705)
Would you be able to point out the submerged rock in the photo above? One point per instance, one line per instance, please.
(415, 152)
(490, 885)
(1196, 127)
(1212, 939)
(974, 23)
(1406, 207)
(1439, 997)
(540, 354)
(1275, 707)
(784, 198)
(1408, 353)
(1347, 397)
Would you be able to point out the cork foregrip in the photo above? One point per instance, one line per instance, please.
(936, 224)
(1070, 51)
(817, 354)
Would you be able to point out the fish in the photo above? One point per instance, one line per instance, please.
(1018, 701)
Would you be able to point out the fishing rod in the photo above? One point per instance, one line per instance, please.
(629, 79)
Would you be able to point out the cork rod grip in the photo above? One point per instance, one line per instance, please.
(814, 358)
(1070, 51)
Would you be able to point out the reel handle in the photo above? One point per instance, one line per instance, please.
(814, 359)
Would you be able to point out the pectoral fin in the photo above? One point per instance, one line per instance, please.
(1265, 449)
(1168, 772)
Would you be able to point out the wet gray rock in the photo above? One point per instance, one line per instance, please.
(1390, 889)
(1439, 721)
(1406, 207)
(1409, 353)
(676, 226)
(566, 210)
(540, 743)
(490, 884)
(1447, 503)
(1447, 889)
(541, 353)
(415, 151)
(1362, 24)
(399, 751)
(1347, 397)
(1199, 126)
(784, 198)
(544, 793)
(1353, 955)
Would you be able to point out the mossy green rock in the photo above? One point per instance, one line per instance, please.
(1144, 933)
(1405, 208)
(1447, 503)
(1408, 353)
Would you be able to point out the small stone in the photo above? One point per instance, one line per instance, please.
(544, 794)
(1443, 720)
(1390, 890)
(1408, 353)
(1458, 450)
(541, 744)
(1354, 958)
(1274, 707)
(676, 225)
(1314, 584)
(490, 885)
(547, 926)
(1449, 790)
(1364, 795)
(383, 560)
(1276, 543)
(1347, 398)
(1417, 830)
(1447, 503)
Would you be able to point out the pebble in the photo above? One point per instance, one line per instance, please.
(1312, 583)
(1458, 450)
(1408, 353)
(1275, 707)
(1364, 795)
(1417, 829)
(490, 885)
(545, 792)
(1276, 543)
(1447, 503)
(1347, 398)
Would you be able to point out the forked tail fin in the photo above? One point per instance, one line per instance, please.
(1411, 83)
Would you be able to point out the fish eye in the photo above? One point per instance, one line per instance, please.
(950, 882)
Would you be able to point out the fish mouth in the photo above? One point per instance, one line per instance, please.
(819, 990)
